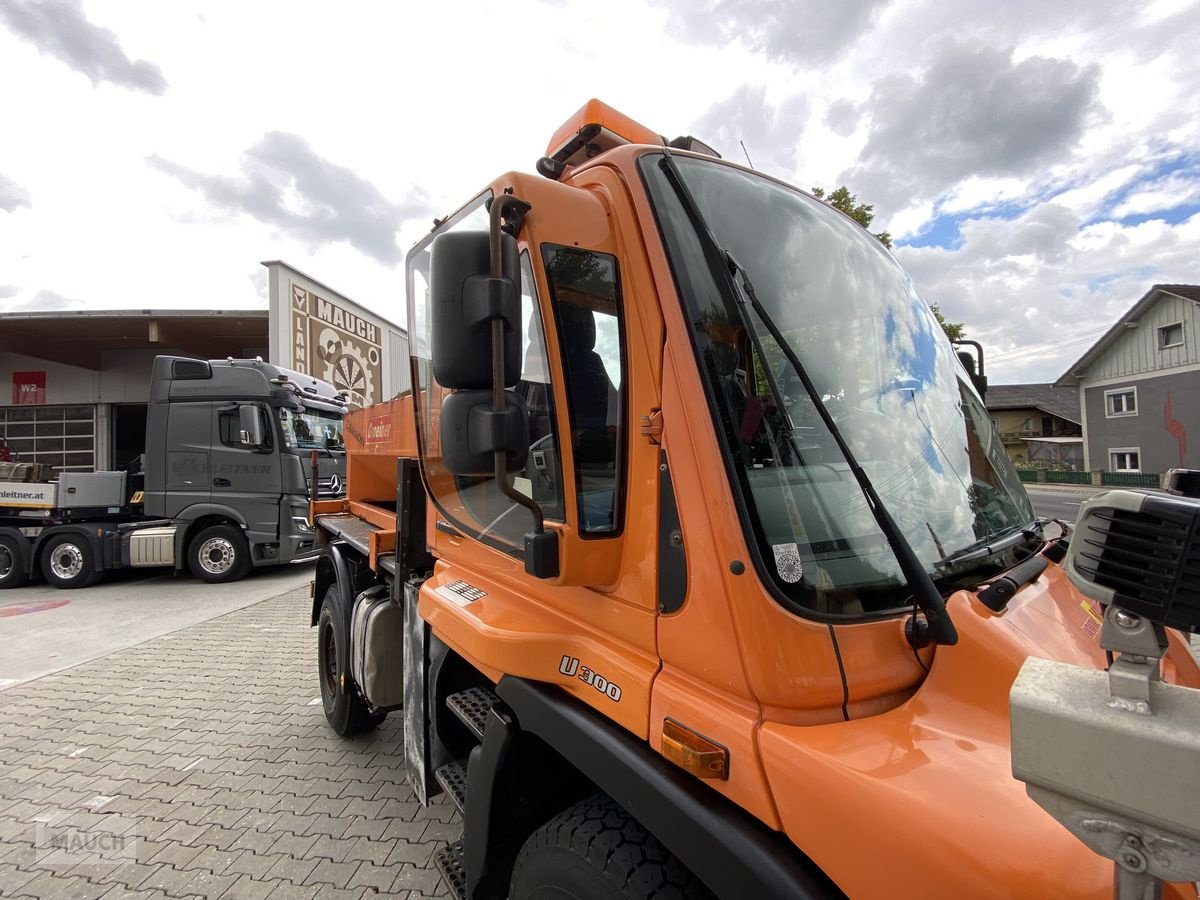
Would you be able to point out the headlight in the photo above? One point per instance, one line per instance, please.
(300, 523)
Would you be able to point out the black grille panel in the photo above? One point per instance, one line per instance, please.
(1150, 558)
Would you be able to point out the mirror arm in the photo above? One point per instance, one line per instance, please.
(501, 207)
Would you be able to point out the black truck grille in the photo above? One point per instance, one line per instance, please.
(1151, 558)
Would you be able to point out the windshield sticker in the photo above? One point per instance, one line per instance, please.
(787, 562)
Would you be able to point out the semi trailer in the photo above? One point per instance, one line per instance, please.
(692, 560)
(224, 486)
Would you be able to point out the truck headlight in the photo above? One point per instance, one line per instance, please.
(300, 523)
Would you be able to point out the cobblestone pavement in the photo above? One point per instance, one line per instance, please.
(198, 764)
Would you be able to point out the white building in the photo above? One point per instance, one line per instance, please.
(80, 380)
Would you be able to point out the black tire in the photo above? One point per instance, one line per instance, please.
(596, 851)
(67, 561)
(12, 569)
(346, 711)
(219, 553)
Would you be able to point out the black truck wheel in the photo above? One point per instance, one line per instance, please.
(68, 561)
(219, 553)
(346, 711)
(596, 851)
(12, 569)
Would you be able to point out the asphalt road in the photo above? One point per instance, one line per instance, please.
(1058, 503)
(45, 630)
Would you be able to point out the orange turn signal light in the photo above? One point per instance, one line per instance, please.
(694, 752)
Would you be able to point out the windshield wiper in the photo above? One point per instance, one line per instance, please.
(990, 545)
(725, 269)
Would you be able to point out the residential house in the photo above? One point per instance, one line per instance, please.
(1139, 386)
(1038, 423)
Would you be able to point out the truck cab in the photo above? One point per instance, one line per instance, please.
(700, 567)
(230, 446)
(235, 451)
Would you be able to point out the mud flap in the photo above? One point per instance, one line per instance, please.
(423, 655)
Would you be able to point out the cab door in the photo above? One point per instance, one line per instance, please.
(188, 446)
(247, 479)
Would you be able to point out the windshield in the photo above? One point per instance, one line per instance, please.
(882, 366)
(313, 429)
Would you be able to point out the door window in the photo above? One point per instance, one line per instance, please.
(585, 295)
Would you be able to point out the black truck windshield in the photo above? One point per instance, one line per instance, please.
(883, 368)
(312, 429)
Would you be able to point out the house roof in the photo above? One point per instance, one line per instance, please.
(1186, 291)
(1057, 401)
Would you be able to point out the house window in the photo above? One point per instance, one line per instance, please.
(1125, 459)
(1120, 402)
(1170, 336)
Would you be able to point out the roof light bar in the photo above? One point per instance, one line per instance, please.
(595, 128)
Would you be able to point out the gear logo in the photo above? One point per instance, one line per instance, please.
(348, 366)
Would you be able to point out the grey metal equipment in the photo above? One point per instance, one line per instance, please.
(1115, 756)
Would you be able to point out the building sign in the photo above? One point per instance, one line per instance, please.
(317, 331)
(29, 388)
(332, 343)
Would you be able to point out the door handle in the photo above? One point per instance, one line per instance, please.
(221, 482)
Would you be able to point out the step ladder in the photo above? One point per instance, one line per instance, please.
(472, 708)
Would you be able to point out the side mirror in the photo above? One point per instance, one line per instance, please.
(465, 300)
(472, 432)
(251, 425)
(973, 364)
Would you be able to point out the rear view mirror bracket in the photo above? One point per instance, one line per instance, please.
(487, 298)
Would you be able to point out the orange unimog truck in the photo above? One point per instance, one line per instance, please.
(692, 559)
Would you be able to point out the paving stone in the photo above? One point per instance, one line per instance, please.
(296, 871)
(288, 891)
(252, 864)
(367, 850)
(412, 878)
(417, 854)
(246, 888)
(379, 878)
(336, 874)
(236, 806)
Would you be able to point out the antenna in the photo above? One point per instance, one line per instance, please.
(747, 152)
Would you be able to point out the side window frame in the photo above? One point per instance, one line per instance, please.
(224, 414)
(450, 493)
(569, 415)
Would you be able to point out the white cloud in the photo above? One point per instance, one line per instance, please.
(331, 136)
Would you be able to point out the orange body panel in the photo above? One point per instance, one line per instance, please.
(939, 765)
(594, 112)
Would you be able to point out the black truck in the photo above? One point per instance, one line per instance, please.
(225, 484)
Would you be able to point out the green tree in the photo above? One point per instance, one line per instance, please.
(954, 330)
(863, 213)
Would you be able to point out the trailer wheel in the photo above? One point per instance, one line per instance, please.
(12, 572)
(596, 851)
(346, 711)
(68, 562)
(219, 553)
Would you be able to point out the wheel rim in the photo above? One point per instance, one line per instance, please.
(216, 555)
(66, 561)
(328, 662)
(7, 562)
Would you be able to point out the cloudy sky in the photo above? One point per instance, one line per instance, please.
(1038, 163)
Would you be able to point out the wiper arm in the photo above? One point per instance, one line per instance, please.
(990, 545)
(941, 629)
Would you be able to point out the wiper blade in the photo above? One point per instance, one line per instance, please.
(925, 592)
(991, 545)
